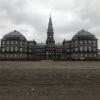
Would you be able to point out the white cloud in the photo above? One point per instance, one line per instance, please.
(30, 17)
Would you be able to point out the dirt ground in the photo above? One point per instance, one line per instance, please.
(50, 64)
(49, 80)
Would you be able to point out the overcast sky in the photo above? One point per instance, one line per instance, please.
(30, 17)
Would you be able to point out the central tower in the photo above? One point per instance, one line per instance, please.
(50, 42)
(50, 34)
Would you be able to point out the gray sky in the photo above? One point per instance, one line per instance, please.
(30, 17)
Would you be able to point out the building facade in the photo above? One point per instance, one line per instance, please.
(83, 46)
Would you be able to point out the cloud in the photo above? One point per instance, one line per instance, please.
(30, 17)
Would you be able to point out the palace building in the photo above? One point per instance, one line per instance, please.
(83, 46)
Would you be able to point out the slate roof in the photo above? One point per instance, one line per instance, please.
(14, 34)
(84, 35)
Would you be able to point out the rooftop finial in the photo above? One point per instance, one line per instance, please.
(50, 14)
(82, 29)
(14, 30)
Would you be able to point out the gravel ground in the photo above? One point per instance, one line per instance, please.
(48, 80)
(51, 64)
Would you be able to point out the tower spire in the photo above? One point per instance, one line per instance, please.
(50, 33)
(50, 14)
(50, 20)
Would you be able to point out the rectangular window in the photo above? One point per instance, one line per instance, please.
(16, 42)
(85, 42)
(16, 49)
(95, 55)
(12, 42)
(81, 48)
(76, 49)
(7, 42)
(3, 42)
(89, 42)
(90, 49)
(21, 49)
(30, 51)
(3, 49)
(81, 42)
(20, 43)
(85, 55)
(7, 48)
(12, 49)
(94, 42)
(85, 48)
(90, 55)
(94, 49)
